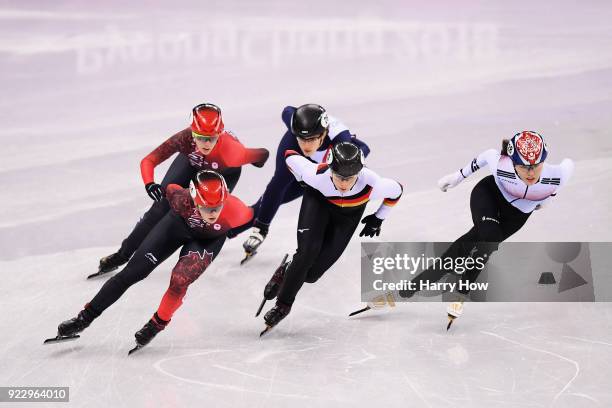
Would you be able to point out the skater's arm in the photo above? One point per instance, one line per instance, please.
(286, 115)
(364, 147)
(338, 132)
(241, 216)
(567, 170)
(160, 154)
(453, 179)
(479, 161)
(564, 172)
(387, 189)
(235, 154)
(300, 167)
(390, 191)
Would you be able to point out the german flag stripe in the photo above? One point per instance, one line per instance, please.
(322, 168)
(366, 191)
(344, 203)
(358, 199)
(392, 201)
(365, 197)
(389, 203)
(290, 153)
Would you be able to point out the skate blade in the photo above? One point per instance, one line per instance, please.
(61, 339)
(248, 257)
(284, 259)
(263, 302)
(135, 349)
(95, 275)
(451, 319)
(360, 311)
(267, 329)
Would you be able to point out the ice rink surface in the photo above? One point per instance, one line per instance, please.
(89, 89)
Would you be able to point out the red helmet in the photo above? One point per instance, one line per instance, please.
(208, 189)
(207, 120)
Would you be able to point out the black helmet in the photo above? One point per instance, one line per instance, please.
(309, 120)
(345, 159)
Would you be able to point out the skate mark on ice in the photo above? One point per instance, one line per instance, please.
(416, 391)
(581, 395)
(368, 357)
(588, 341)
(233, 370)
(158, 366)
(491, 389)
(323, 312)
(265, 354)
(574, 363)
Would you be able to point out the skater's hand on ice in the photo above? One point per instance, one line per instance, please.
(155, 191)
(450, 181)
(379, 300)
(372, 226)
(254, 241)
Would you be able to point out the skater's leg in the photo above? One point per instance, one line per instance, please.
(260, 230)
(293, 191)
(195, 257)
(485, 207)
(180, 172)
(339, 232)
(462, 247)
(512, 220)
(483, 235)
(167, 236)
(312, 222)
(494, 223)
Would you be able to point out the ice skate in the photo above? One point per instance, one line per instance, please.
(109, 263)
(275, 315)
(69, 329)
(453, 311)
(274, 284)
(147, 333)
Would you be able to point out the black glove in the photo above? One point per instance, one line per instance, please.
(372, 226)
(155, 191)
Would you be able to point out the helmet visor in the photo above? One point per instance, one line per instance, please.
(205, 138)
